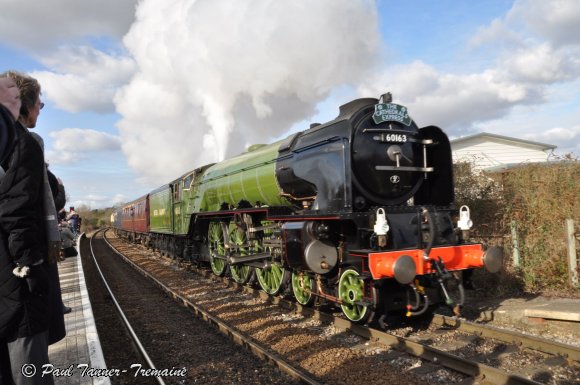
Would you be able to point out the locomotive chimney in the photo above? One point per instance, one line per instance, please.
(386, 98)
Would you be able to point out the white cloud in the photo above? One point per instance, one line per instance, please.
(120, 198)
(79, 139)
(78, 42)
(557, 134)
(90, 202)
(83, 78)
(70, 145)
(214, 77)
(567, 139)
(531, 51)
(496, 33)
(453, 102)
(530, 21)
(541, 64)
(197, 81)
(536, 41)
(39, 26)
(556, 20)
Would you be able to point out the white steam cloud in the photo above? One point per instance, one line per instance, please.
(215, 77)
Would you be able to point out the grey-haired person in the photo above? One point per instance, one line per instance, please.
(24, 293)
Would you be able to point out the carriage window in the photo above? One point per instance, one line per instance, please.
(176, 192)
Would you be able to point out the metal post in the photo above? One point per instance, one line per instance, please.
(572, 261)
(516, 248)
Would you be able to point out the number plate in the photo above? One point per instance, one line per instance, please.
(394, 138)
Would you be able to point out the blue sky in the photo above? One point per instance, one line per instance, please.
(138, 92)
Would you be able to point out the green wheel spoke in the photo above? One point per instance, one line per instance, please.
(216, 244)
(303, 286)
(276, 275)
(351, 291)
(240, 273)
(271, 279)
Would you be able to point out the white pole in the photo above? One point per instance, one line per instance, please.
(572, 260)
(516, 248)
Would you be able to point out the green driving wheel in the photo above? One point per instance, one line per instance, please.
(242, 273)
(351, 291)
(272, 278)
(303, 287)
(215, 236)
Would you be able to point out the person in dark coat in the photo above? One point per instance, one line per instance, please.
(9, 111)
(24, 292)
(59, 196)
(56, 327)
(7, 136)
(73, 219)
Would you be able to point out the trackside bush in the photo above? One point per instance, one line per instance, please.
(94, 219)
(536, 199)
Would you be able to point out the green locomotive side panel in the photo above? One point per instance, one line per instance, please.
(249, 177)
(177, 190)
(160, 210)
(183, 202)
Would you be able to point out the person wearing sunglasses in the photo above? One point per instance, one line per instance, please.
(25, 301)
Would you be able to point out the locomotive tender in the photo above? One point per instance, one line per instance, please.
(357, 211)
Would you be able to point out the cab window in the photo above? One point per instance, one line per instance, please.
(187, 181)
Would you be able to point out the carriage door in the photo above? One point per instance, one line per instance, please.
(177, 220)
(132, 215)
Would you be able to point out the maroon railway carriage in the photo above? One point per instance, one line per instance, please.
(134, 218)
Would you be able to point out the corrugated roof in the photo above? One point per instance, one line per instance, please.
(544, 146)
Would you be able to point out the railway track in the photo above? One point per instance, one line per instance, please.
(446, 351)
(180, 347)
(142, 352)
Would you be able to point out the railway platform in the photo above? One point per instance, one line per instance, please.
(81, 346)
(537, 313)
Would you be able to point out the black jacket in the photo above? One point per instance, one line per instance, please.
(22, 238)
(7, 135)
(58, 191)
(56, 327)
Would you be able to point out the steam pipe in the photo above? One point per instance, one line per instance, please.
(423, 310)
(461, 293)
(417, 298)
(431, 232)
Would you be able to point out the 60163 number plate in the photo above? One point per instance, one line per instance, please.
(394, 138)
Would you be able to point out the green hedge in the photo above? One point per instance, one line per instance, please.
(537, 199)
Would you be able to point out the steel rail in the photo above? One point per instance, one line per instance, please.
(474, 369)
(126, 322)
(527, 341)
(255, 347)
(477, 370)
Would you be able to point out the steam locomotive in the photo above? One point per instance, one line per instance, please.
(358, 212)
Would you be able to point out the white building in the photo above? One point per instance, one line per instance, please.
(491, 151)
